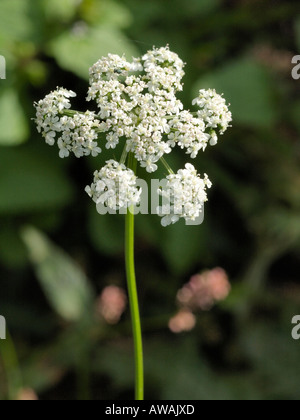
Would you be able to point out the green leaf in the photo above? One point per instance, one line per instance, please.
(247, 86)
(15, 22)
(13, 123)
(63, 10)
(78, 50)
(64, 283)
(31, 181)
(108, 12)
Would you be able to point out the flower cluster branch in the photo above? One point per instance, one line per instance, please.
(138, 109)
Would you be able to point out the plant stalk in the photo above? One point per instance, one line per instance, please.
(133, 296)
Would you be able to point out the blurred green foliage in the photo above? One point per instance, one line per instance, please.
(241, 350)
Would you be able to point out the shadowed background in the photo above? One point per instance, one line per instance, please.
(62, 277)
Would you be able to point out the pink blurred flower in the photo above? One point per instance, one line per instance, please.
(112, 304)
(27, 394)
(183, 321)
(204, 290)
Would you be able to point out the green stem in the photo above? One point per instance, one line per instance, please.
(124, 155)
(73, 112)
(133, 297)
(167, 166)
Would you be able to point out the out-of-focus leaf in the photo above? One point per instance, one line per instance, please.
(63, 10)
(194, 7)
(64, 283)
(176, 11)
(247, 86)
(37, 72)
(185, 377)
(30, 181)
(13, 123)
(108, 12)
(183, 246)
(43, 376)
(47, 365)
(79, 49)
(15, 20)
(279, 373)
(189, 377)
(12, 249)
(119, 364)
(106, 232)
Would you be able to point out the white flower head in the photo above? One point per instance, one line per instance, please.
(109, 68)
(188, 132)
(137, 101)
(50, 107)
(137, 108)
(79, 135)
(213, 112)
(186, 194)
(76, 134)
(115, 187)
(164, 69)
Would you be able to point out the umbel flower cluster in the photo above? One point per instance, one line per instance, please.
(115, 187)
(138, 110)
(186, 193)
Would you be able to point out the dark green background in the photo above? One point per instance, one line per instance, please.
(57, 254)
